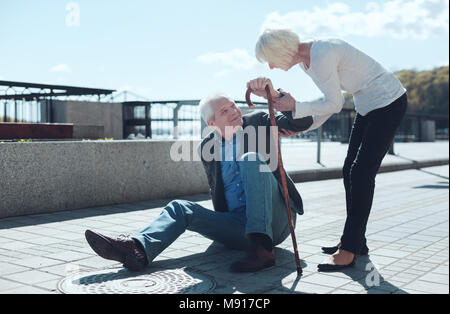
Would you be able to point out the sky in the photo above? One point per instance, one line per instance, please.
(183, 50)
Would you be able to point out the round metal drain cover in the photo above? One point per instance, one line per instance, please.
(122, 281)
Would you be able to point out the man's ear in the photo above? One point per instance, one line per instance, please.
(210, 123)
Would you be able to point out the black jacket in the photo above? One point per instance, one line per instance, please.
(255, 119)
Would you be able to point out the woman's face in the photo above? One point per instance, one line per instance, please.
(275, 65)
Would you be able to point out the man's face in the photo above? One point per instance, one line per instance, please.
(227, 117)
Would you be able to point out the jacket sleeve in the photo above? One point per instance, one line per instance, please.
(318, 121)
(206, 166)
(284, 120)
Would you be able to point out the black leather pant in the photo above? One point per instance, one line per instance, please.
(370, 140)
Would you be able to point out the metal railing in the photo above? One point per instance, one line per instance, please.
(181, 120)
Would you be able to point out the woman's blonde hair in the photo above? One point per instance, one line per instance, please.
(277, 45)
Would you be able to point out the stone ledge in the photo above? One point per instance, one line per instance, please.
(336, 173)
(42, 177)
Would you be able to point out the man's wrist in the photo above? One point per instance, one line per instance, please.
(280, 94)
(276, 95)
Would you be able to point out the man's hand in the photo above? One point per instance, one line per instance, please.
(285, 103)
(287, 133)
(258, 87)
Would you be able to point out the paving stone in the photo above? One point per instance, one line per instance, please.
(389, 273)
(8, 268)
(43, 241)
(36, 262)
(410, 291)
(441, 270)
(26, 289)
(326, 280)
(343, 291)
(64, 269)
(97, 262)
(8, 285)
(389, 253)
(388, 287)
(31, 277)
(374, 291)
(17, 245)
(68, 256)
(435, 278)
(51, 285)
(382, 260)
(4, 241)
(428, 287)
(354, 286)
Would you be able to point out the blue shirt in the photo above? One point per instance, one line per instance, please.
(231, 176)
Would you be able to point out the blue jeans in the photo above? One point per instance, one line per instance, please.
(265, 213)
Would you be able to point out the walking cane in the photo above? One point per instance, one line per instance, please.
(282, 172)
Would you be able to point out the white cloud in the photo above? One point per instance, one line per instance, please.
(222, 73)
(237, 59)
(61, 68)
(401, 19)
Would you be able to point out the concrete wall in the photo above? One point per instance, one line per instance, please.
(108, 115)
(54, 176)
(94, 132)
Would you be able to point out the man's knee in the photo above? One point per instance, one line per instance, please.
(253, 163)
(178, 207)
(177, 203)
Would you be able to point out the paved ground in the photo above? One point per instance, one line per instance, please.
(408, 235)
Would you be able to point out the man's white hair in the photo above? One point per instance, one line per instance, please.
(277, 45)
(205, 105)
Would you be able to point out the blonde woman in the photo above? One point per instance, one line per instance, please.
(380, 103)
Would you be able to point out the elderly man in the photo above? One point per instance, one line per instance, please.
(249, 206)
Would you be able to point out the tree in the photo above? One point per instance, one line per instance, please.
(428, 91)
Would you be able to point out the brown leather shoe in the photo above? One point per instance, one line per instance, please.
(257, 258)
(122, 249)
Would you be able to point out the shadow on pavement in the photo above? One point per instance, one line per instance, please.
(45, 218)
(445, 186)
(280, 279)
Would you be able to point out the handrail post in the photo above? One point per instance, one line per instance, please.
(175, 120)
(319, 141)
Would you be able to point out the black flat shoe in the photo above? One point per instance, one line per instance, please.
(326, 267)
(330, 250)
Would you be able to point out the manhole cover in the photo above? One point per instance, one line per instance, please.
(122, 281)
